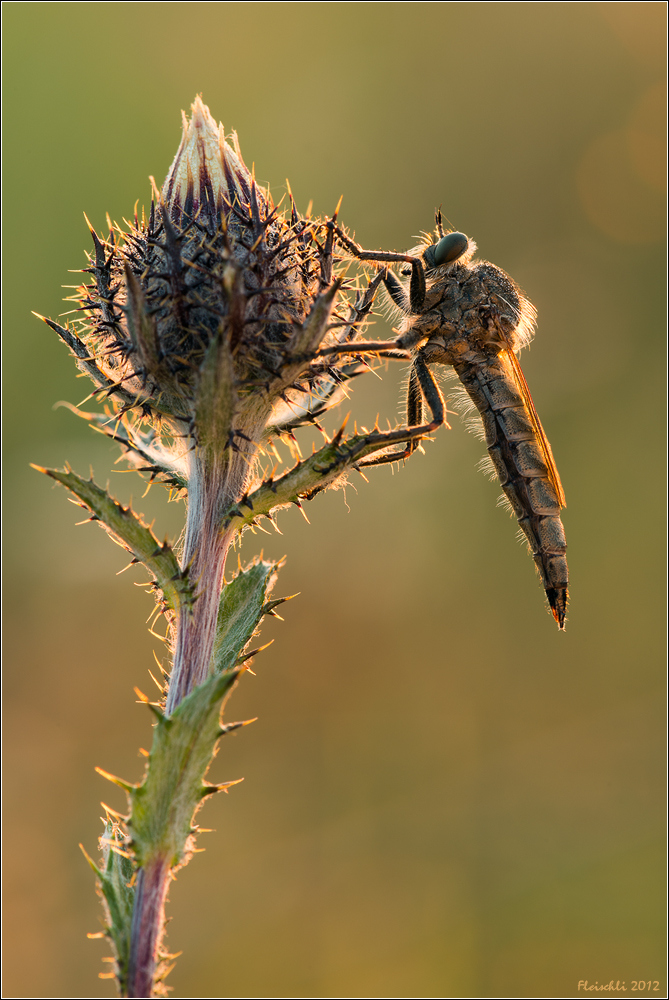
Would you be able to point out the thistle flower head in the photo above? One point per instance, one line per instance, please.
(204, 317)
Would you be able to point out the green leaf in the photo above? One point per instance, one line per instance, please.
(118, 889)
(129, 531)
(173, 787)
(240, 611)
(116, 883)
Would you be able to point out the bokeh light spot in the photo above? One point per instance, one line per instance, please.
(615, 198)
(647, 137)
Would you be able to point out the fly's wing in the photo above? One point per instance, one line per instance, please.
(517, 374)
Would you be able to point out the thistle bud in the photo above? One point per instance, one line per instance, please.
(203, 315)
(207, 176)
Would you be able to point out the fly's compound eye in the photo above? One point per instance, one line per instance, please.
(450, 248)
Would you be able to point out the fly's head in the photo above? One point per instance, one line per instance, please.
(442, 255)
(467, 303)
(449, 249)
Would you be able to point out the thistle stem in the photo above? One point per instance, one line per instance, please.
(212, 486)
(147, 926)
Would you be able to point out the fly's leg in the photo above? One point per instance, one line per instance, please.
(384, 348)
(361, 308)
(396, 291)
(414, 399)
(421, 386)
(421, 382)
(417, 286)
(414, 416)
(430, 390)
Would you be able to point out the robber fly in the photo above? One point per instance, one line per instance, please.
(472, 316)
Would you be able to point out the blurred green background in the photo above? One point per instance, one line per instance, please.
(444, 796)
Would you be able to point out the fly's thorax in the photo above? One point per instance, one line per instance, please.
(472, 306)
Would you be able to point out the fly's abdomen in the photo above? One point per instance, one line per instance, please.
(517, 454)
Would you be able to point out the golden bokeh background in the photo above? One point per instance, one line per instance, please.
(444, 796)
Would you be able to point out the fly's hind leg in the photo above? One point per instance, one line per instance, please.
(422, 386)
(430, 390)
(414, 418)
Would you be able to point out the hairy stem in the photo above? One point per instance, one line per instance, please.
(147, 926)
(204, 555)
(213, 486)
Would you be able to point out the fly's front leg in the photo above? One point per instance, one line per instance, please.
(417, 286)
(384, 348)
